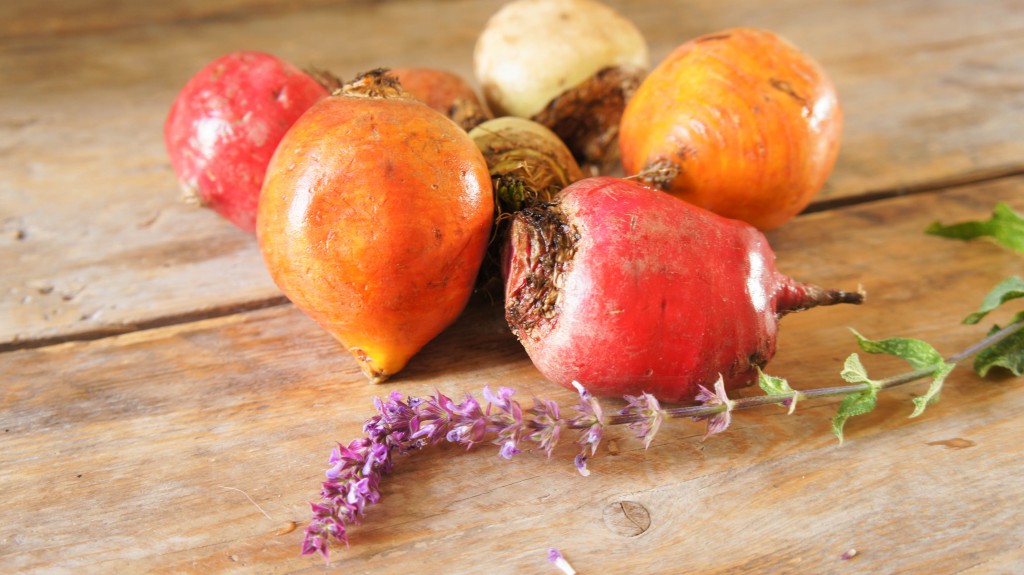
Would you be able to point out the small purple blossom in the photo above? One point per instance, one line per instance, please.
(507, 422)
(503, 400)
(357, 459)
(326, 525)
(717, 422)
(591, 421)
(647, 407)
(580, 461)
(432, 417)
(509, 449)
(362, 493)
(546, 425)
(555, 556)
(469, 423)
(391, 425)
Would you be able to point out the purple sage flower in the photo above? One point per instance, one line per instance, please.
(356, 469)
(546, 425)
(403, 424)
(555, 556)
(508, 421)
(469, 423)
(391, 425)
(358, 459)
(591, 421)
(717, 422)
(325, 526)
(647, 407)
(360, 494)
(432, 417)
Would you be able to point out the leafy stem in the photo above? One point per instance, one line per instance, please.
(989, 341)
(406, 424)
(835, 391)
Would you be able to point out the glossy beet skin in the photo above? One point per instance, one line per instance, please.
(740, 122)
(627, 290)
(373, 220)
(225, 124)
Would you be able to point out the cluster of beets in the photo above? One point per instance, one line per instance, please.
(377, 202)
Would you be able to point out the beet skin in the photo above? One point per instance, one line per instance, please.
(225, 124)
(628, 289)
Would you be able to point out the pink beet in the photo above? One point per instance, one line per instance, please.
(628, 289)
(226, 123)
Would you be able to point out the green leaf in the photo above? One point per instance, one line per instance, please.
(932, 395)
(857, 403)
(1008, 289)
(854, 404)
(1005, 227)
(854, 372)
(1008, 353)
(919, 354)
(773, 385)
(778, 386)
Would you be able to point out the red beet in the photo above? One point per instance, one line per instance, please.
(226, 123)
(628, 289)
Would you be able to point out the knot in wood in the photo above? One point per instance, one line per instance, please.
(627, 518)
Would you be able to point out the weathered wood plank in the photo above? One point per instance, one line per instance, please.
(127, 454)
(64, 17)
(99, 242)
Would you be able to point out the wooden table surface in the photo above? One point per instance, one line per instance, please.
(164, 408)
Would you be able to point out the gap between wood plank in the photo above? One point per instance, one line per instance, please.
(972, 178)
(157, 322)
(968, 179)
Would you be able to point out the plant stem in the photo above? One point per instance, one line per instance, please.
(987, 342)
(843, 390)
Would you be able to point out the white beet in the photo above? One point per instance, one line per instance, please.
(532, 51)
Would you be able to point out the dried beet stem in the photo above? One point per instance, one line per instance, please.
(373, 373)
(376, 83)
(545, 245)
(658, 174)
(586, 117)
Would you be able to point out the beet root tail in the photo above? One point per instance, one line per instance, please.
(800, 297)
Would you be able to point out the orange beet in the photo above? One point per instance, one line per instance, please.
(741, 123)
(445, 92)
(373, 219)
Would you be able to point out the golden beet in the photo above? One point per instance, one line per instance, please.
(373, 220)
(741, 123)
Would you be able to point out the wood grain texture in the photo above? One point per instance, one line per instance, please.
(99, 243)
(70, 17)
(141, 452)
